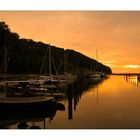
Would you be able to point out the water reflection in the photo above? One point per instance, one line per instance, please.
(75, 90)
(132, 79)
(21, 119)
(73, 94)
(111, 103)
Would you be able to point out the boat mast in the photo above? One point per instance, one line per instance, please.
(97, 60)
(96, 55)
(5, 56)
(50, 69)
(92, 65)
(65, 62)
(5, 65)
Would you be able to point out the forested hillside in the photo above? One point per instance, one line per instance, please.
(26, 56)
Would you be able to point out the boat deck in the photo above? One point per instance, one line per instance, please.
(25, 99)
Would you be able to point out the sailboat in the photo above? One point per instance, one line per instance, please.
(97, 75)
(52, 83)
(43, 84)
(94, 74)
(25, 102)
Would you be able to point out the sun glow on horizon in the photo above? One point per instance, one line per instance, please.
(131, 66)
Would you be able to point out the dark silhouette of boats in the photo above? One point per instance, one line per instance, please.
(22, 116)
(26, 101)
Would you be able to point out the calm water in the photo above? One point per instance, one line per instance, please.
(112, 103)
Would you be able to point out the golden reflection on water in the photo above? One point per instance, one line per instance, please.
(114, 103)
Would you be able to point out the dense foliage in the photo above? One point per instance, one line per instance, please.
(25, 56)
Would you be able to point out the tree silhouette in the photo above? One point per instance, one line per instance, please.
(25, 56)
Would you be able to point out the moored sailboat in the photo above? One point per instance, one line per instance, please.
(27, 101)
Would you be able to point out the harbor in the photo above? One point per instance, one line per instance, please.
(87, 104)
(69, 70)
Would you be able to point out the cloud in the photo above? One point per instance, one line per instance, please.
(131, 66)
(110, 61)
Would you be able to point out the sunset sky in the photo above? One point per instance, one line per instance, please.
(115, 35)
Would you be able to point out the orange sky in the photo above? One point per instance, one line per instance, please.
(116, 35)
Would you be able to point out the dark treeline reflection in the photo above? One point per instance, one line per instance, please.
(74, 93)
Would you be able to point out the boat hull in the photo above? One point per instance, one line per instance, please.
(29, 113)
(8, 109)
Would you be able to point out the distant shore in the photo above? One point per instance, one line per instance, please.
(125, 73)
